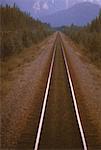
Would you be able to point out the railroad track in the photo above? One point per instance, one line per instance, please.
(60, 124)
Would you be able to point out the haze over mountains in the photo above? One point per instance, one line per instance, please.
(79, 14)
(59, 12)
(45, 7)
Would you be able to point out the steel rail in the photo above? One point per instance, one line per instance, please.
(45, 101)
(74, 101)
(46, 98)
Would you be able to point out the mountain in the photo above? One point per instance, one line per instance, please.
(70, 3)
(39, 8)
(79, 14)
(43, 7)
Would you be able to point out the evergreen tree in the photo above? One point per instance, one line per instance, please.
(88, 36)
(20, 28)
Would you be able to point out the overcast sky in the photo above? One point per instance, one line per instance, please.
(35, 6)
(53, 1)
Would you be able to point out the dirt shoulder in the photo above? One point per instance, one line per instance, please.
(14, 65)
(24, 97)
(87, 83)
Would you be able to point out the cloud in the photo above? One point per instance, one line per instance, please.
(53, 1)
(40, 4)
(45, 6)
(36, 6)
(67, 3)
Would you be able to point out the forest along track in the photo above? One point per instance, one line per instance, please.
(59, 125)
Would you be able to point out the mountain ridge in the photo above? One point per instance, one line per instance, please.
(79, 14)
(39, 8)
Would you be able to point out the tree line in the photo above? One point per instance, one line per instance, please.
(19, 30)
(89, 37)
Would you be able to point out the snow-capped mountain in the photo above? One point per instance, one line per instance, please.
(70, 3)
(44, 7)
(39, 8)
(78, 14)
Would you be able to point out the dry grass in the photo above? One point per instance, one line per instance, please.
(87, 83)
(17, 62)
(92, 58)
(24, 94)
